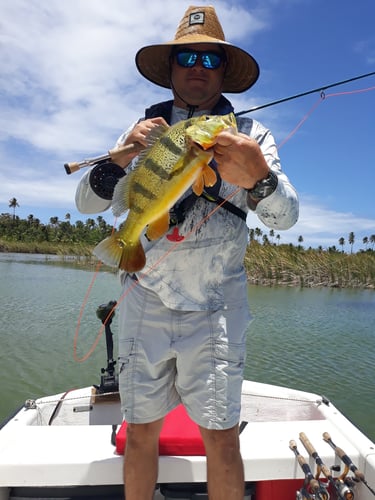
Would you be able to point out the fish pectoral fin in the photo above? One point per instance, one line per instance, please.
(158, 227)
(209, 176)
(198, 185)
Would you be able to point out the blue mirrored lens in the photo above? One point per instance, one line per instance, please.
(188, 58)
(210, 60)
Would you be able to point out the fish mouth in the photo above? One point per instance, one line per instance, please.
(199, 146)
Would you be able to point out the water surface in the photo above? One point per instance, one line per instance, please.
(319, 340)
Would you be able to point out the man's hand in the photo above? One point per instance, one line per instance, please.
(139, 136)
(240, 160)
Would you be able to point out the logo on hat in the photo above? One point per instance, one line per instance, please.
(196, 18)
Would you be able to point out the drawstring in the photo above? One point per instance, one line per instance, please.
(191, 111)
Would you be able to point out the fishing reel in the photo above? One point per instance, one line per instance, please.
(344, 489)
(103, 178)
(305, 494)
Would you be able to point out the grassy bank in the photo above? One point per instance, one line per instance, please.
(45, 247)
(267, 265)
(294, 266)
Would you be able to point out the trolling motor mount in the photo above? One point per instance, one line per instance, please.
(108, 378)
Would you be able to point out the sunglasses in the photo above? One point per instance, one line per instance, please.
(187, 58)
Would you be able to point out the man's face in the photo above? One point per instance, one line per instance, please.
(197, 85)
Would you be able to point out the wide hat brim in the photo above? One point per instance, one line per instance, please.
(242, 71)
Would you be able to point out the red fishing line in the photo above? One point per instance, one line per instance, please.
(177, 238)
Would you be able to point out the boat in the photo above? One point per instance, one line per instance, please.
(294, 444)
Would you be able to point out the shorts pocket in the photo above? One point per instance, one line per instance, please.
(126, 363)
(229, 361)
(126, 355)
(230, 352)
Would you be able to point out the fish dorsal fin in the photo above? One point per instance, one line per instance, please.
(152, 137)
(155, 134)
(121, 195)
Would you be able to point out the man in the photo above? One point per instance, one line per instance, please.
(183, 327)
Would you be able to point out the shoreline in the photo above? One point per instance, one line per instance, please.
(266, 265)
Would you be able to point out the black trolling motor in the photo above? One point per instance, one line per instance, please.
(108, 378)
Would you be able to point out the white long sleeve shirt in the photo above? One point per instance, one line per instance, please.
(204, 270)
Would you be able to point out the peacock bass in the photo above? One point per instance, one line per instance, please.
(176, 159)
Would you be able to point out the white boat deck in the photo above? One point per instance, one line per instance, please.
(36, 454)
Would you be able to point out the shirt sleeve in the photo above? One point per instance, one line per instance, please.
(87, 201)
(280, 210)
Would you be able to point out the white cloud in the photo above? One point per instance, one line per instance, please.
(68, 75)
(69, 86)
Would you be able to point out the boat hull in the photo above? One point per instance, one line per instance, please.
(66, 441)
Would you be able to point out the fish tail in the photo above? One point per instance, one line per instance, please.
(115, 252)
(133, 258)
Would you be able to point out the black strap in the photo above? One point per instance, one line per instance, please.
(227, 205)
(178, 213)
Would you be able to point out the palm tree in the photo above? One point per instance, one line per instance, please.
(372, 240)
(13, 203)
(258, 232)
(342, 243)
(365, 241)
(351, 241)
(54, 221)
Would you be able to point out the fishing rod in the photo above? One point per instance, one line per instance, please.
(349, 465)
(303, 94)
(344, 492)
(113, 154)
(116, 153)
(318, 492)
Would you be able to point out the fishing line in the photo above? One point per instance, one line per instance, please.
(134, 283)
(323, 96)
(82, 310)
(177, 243)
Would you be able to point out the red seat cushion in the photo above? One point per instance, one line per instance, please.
(179, 435)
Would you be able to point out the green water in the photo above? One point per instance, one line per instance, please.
(318, 340)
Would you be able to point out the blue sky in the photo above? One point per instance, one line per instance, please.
(69, 87)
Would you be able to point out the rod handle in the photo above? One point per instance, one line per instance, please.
(344, 457)
(116, 153)
(307, 444)
(70, 168)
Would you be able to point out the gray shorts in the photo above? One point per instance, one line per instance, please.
(167, 357)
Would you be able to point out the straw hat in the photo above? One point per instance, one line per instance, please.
(199, 25)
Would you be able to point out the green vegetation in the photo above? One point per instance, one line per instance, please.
(267, 261)
(58, 237)
(294, 266)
